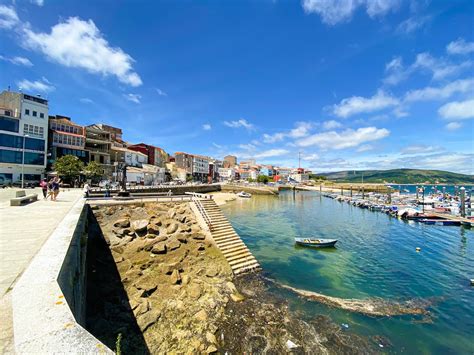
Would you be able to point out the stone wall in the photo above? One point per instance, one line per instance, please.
(49, 299)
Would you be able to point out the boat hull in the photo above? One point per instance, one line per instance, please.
(316, 243)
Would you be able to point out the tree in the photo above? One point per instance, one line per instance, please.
(263, 179)
(93, 170)
(68, 166)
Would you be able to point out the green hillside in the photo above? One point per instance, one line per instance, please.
(400, 176)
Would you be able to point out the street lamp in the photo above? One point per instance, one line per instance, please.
(423, 192)
(23, 162)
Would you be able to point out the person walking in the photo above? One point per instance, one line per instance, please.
(50, 189)
(107, 189)
(87, 190)
(55, 186)
(44, 188)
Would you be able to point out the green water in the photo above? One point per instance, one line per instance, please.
(375, 257)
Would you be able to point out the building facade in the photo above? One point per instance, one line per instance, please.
(156, 155)
(98, 144)
(230, 161)
(65, 138)
(23, 137)
(200, 168)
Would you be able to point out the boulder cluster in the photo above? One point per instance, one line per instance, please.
(176, 280)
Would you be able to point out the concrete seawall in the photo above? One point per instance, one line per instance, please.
(49, 299)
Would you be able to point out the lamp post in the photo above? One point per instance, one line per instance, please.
(423, 195)
(23, 162)
(463, 201)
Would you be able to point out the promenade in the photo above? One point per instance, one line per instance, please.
(23, 231)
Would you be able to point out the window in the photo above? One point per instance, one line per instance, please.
(7, 140)
(9, 124)
(10, 156)
(27, 112)
(34, 158)
(41, 115)
(34, 144)
(35, 113)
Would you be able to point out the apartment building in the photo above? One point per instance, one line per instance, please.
(98, 144)
(23, 136)
(230, 161)
(184, 161)
(200, 168)
(66, 138)
(156, 155)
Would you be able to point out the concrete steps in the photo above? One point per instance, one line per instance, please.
(228, 241)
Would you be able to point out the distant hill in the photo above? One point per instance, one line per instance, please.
(400, 176)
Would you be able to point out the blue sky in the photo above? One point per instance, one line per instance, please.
(361, 84)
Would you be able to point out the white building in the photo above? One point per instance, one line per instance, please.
(299, 177)
(226, 174)
(23, 136)
(200, 168)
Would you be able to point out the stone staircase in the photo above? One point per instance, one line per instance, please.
(227, 240)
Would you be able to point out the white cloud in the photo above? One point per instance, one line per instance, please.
(37, 2)
(17, 61)
(271, 153)
(460, 46)
(336, 11)
(364, 148)
(217, 145)
(331, 124)
(310, 157)
(301, 130)
(241, 123)
(161, 92)
(133, 98)
(86, 100)
(8, 17)
(346, 139)
(452, 126)
(206, 127)
(419, 149)
(79, 44)
(443, 92)
(247, 146)
(273, 138)
(412, 24)
(439, 68)
(42, 85)
(457, 110)
(357, 104)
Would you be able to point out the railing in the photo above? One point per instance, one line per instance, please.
(203, 212)
(199, 195)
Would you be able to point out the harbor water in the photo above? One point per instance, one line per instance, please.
(375, 257)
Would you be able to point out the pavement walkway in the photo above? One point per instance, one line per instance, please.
(23, 231)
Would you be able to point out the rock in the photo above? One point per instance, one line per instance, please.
(237, 297)
(118, 249)
(171, 213)
(199, 236)
(122, 223)
(159, 248)
(149, 318)
(175, 277)
(142, 308)
(154, 228)
(124, 266)
(231, 287)
(185, 279)
(139, 225)
(212, 271)
(173, 244)
(194, 291)
(201, 315)
(211, 338)
(173, 227)
(211, 349)
(182, 238)
(201, 247)
(161, 238)
(183, 219)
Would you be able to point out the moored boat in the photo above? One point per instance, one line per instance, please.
(244, 194)
(316, 242)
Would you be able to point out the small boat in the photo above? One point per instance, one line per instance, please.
(317, 243)
(244, 194)
(440, 222)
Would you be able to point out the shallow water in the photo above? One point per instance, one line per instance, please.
(375, 257)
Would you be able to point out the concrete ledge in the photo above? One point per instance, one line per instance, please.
(49, 299)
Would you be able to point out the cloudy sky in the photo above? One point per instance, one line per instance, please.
(350, 84)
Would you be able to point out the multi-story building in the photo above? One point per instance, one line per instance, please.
(98, 144)
(267, 170)
(66, 138)
(184, 161)
(226, 174)
(156, 155)
(200, 168)
(128, 156)
(23, 136)
(230, 161)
